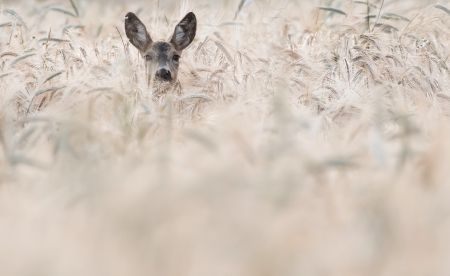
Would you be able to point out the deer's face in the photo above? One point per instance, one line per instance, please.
(161, 58)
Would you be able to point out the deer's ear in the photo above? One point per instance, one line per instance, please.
(184, 32)
(136, 32)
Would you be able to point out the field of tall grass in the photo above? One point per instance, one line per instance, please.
(302, 138)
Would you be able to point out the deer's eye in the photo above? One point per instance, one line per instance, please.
(148, 57)
(176, 57)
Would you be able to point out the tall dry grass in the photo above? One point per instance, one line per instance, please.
(303, 138)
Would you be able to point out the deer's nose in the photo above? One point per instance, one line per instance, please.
(164, 74)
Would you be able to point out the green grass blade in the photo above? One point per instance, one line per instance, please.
(42, 91)
(17, 16)
(61, 10)
(394, 16)
(75, 8)
(53, 75)
(443, 8)
(365, 3)
(386, 27)
(22, 57)
(330, 9)
(54, 39)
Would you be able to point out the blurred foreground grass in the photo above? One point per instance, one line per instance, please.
(303, 138)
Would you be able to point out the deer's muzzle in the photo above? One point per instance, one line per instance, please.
(164, 74)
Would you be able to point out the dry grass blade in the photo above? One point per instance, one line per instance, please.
(196, 96)
(371, 40)
(386, 27)
(5, 24)
(17, 16)
(5, 74)
(99, 89)
(231, 24)
(415, 37)
(22, 57)
(417, 15)
(72, 26)
(222, 48)
(123, 44)
(40, 92)
(330, 9)
(8, 54)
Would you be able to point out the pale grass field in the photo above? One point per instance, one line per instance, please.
(297, 142)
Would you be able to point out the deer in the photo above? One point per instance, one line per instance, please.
(161, 58)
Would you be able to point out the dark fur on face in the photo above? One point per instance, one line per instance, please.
(161, 57)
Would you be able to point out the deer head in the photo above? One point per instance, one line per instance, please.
(161, 58)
